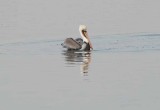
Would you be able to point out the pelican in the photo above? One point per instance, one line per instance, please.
(83, 44)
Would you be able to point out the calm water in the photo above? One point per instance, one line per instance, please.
(122, 72)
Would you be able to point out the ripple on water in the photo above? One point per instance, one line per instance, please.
(105, 43)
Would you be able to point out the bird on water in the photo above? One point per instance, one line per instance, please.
(83, 44)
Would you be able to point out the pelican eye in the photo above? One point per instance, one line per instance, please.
(84, 31)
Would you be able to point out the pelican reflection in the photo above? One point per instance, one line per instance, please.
(81, 58)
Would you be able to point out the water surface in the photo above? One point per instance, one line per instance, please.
(122, 72)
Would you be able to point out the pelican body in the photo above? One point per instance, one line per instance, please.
(83, 43)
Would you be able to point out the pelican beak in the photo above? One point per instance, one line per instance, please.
(86, 35)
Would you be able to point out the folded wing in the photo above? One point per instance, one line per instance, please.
(70, 43)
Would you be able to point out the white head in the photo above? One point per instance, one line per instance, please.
(84, 34)
(81, 29)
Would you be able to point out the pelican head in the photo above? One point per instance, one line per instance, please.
(82, 27)
(84, 34)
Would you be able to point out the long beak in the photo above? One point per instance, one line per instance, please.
(90, 44)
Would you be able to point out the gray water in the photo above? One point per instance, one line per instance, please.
(35, 19)
(121, 73)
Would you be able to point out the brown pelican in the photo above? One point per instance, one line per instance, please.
(79, 44)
